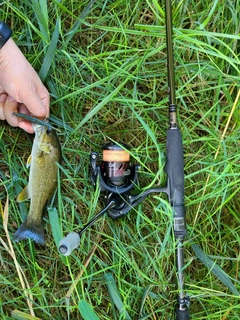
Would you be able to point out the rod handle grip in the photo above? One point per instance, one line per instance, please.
(182, 314)
(174, 165)
(69, 243)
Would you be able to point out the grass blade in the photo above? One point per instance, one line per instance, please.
(55, 224)
(86, 311)
(215, 269)
(56, 228)
(19, 315)
(101, 104)
(115, 296)
(40, 10)
(209, 17)
(78, 22)
(49, 57)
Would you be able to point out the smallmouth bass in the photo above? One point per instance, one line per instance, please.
(46, 151)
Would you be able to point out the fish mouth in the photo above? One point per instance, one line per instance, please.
(41, 126)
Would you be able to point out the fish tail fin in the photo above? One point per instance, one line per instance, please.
(29, 231)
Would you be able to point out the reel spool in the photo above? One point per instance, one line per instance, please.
(116, 164)
(114, 172)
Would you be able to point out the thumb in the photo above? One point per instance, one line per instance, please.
(37, 104)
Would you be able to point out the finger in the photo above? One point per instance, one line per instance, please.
(22, 123)
(9, 107)
(3, 98)
(38, 103)
(45, 98)
(26, 126)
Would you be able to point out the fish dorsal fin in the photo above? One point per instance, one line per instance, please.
(29, 160)
(24, 195)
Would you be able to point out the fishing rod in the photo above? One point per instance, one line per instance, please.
(117, 178)
(175, 170)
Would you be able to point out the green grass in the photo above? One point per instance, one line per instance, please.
(104, 63)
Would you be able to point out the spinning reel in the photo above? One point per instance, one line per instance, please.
(116, 178)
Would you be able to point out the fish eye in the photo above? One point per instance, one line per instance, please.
(49, 131)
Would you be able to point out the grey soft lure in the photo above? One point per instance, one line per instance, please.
(32, 119)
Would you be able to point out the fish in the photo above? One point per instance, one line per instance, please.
(43, 177)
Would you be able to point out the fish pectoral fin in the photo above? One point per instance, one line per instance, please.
(29, 160)
(24, 195)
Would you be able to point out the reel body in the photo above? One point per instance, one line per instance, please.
(116, 177)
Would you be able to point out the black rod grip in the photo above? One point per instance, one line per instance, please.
(174, 165)
(182, 314)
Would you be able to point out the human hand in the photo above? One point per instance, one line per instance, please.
(21, 89)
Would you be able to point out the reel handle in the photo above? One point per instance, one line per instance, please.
(69, 243)
(72, 240)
